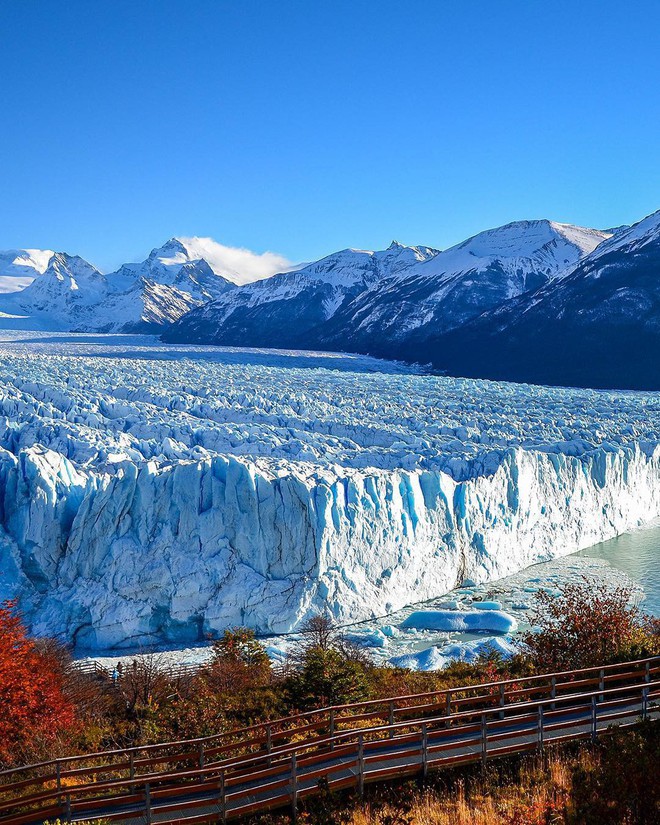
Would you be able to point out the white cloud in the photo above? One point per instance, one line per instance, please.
(234, 263)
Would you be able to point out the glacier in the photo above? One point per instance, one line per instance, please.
(153, 493)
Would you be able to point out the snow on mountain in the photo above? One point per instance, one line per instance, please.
(598, 325)
(175, 264)
(148, 499)
(19, 267)
(72, 294)
(539, 247)
(459, 284)
(288, 309)
(54, 297)
(379, 302)
(148, 295)
(631, 239)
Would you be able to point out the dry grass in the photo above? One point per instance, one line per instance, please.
(538, 797)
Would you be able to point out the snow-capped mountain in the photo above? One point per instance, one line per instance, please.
(68, 293)
(377, 302)
(51, 297)
(457, 285)
(598, 325)
(290, 308)
(148, 295)
(537, 301)
(175, 265)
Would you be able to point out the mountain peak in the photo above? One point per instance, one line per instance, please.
(173, 251)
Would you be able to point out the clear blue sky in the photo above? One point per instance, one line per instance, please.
(305, 126)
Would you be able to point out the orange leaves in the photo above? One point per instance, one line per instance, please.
(32, 702)
(588, 624)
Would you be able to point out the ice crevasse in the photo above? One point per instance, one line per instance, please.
(256, 492)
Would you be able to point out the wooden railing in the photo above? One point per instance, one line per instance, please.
(93, 668)
(274, 764)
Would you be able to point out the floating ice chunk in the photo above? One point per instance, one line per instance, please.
(429, 659)
(435, 658)
(374, 639)
(487, 605)
(451, 604)
(390, 631)
(462, 621)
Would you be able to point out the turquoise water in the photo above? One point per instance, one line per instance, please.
(638, 556)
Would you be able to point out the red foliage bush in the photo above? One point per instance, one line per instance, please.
(586, 625)
(32, 702)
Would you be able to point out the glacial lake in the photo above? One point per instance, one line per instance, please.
(637, 555)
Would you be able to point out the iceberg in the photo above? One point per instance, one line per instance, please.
(462, 621)
(435, 658)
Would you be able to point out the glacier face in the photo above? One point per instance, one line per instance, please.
(152, 493)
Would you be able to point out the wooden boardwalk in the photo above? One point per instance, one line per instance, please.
(270, 766)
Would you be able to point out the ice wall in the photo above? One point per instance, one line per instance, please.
(207, 494)
(171, 553)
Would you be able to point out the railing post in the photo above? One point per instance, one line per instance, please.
(647, 674)
(502, 701)
(67, 807)
(540, 728)
(147, 803)
(332, 728)
(601, 684)
(202, 778)
(425, 750)
(553, 691)
(269, 744)
(223, 797)
(58, 780)
(131, 769)
(294, 788)
(594, 719)
(361, 766)
(645, 704)
(448, 706)
(484, 739)
(391, 720)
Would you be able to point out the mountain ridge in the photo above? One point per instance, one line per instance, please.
(423, 287)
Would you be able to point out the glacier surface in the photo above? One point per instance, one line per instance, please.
(159, 494)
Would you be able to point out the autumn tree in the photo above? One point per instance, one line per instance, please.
(34, 706)
(586, 625)
(240, 646)
(238, 682)
(326, 668)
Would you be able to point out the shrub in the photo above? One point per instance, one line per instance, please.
(326, 677)
(623, 786)
(588, 624)
(34, 706)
